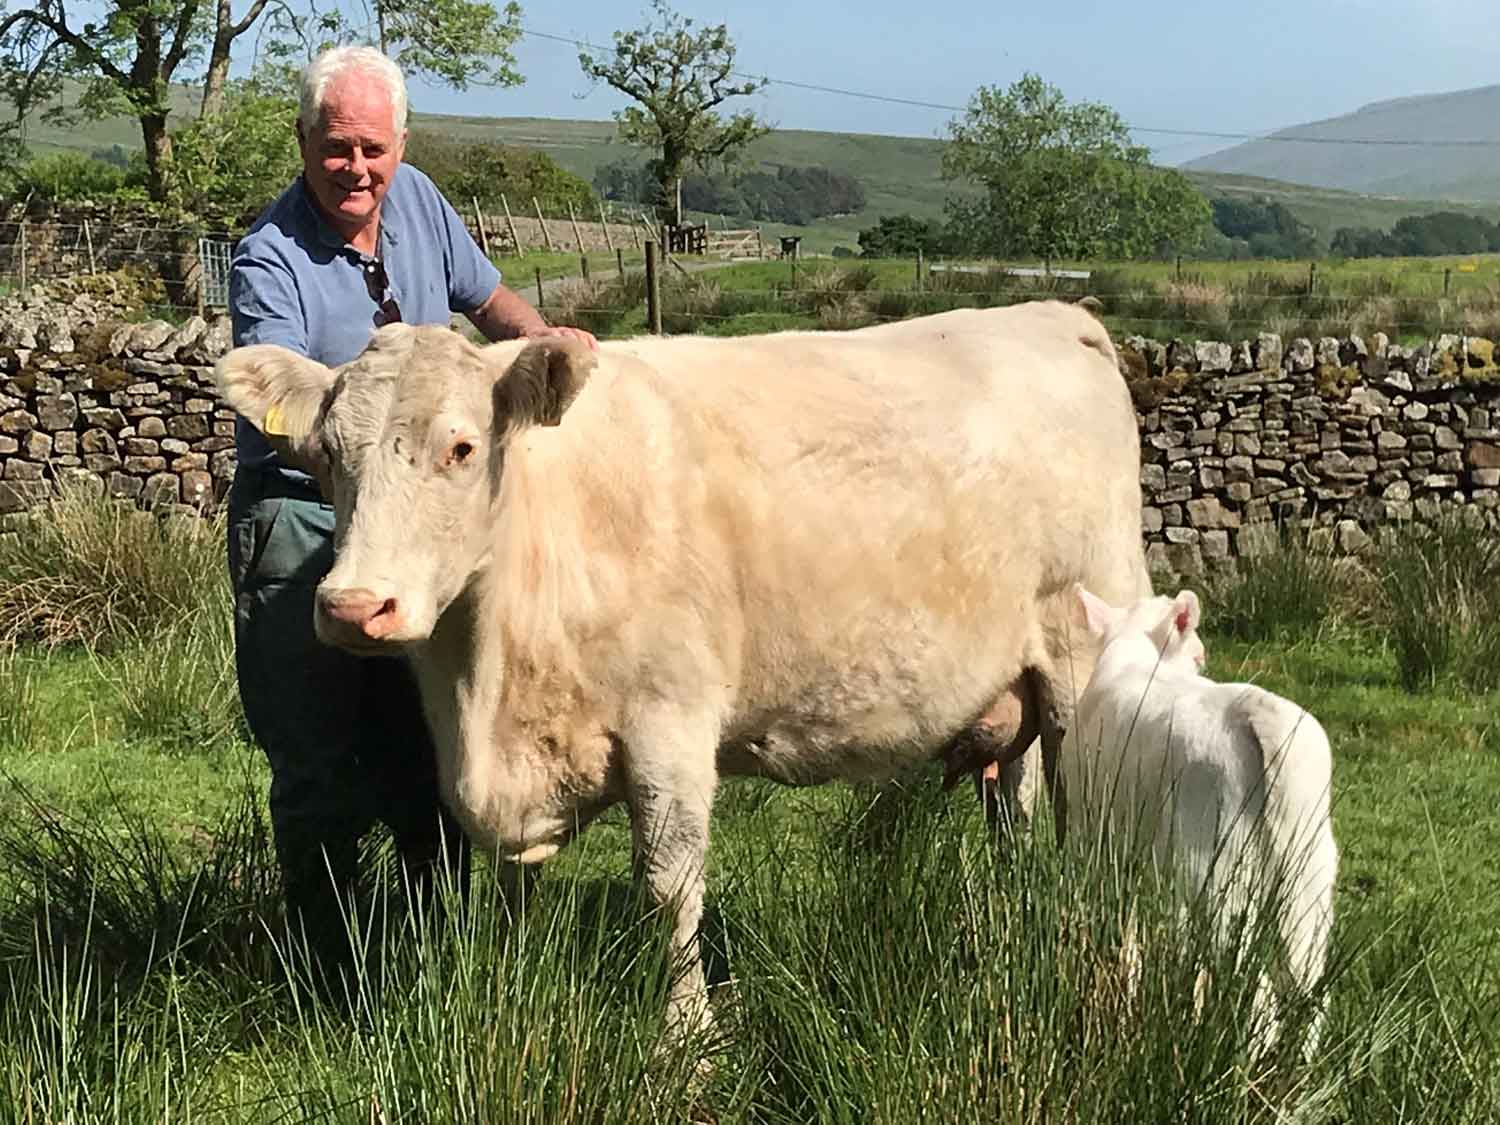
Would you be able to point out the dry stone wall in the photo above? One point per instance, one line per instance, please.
(127, 408)
(1337, 435)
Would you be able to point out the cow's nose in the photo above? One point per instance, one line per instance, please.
(365, 610)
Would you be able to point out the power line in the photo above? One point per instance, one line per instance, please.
(1196, 134)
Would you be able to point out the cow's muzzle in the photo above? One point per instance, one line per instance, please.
(356, 617)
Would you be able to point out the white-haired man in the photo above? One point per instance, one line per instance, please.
(359, 239)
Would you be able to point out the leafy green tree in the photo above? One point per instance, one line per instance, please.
(72, 176)
(901, 236)
(679, 78)
(127, 54)
(127, 58)
(1268, 227)
(485, 171)
(228, 165)
(1061, 180)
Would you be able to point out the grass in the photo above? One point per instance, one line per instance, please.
(519, 271)
(914, 973)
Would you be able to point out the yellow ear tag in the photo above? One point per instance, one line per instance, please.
(273, 425)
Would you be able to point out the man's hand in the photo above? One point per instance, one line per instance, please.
(506, 315)
(562, 330)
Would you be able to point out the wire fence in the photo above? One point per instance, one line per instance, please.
(1221, 300)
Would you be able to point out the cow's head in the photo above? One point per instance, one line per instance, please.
(1170, 624)
(408, 441)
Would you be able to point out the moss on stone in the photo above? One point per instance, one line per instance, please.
(1149, 391)
(1335, 381)
(103, 377)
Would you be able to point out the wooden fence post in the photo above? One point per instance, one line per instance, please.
(539, 294)
(23, 254)
(653, 289)
(484, 237)
(577, 234)
(609, 242)
(515, 237)
(583, 265)
(1312, 277)
(88, 238)
(620, 260)
(1447, 278)
(546, 235)
(919, 269)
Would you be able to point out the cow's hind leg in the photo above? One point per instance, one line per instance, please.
(671, 781)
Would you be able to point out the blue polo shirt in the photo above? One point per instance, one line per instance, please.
(294, 281)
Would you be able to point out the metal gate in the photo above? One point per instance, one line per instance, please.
(213, 262)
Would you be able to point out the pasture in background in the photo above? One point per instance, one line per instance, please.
(870, 968)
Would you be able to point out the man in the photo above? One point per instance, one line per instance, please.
(358, 240)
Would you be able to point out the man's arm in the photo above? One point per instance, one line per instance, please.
(506, 315)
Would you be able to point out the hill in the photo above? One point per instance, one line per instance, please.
(1451, 172)
(900, 174)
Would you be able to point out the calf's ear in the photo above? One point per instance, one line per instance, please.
(541, 383)
(278, 392)
(1186, 612)
(1098, 615)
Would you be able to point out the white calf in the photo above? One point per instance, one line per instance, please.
(1228, 783)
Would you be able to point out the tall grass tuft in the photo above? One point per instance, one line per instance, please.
(1441, 601)
(88, 568)
(1291, 588)
(18, 700)
(176, 685)
(926, 976)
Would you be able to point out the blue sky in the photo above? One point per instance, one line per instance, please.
(1169, 65)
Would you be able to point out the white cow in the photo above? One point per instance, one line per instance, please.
(1227, 783)
(802, 556)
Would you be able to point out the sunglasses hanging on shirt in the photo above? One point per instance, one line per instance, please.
(378, 284)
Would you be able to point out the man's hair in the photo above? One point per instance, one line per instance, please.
(338, 61)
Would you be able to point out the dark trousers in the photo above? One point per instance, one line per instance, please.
(344, 734)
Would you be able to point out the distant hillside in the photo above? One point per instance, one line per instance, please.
(899, 174)
(1457, 172)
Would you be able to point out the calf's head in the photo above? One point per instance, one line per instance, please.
(1168, 625)
(408, 441)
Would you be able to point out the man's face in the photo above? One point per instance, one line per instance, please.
(350, 155)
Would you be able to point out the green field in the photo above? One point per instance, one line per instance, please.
(899, 174)
(884, 969)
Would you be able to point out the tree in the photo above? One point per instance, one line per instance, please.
(128, 58)
(485, 171)
(127, 61)
(901, 236)
(1060, 180)
(230, 164)
(679, 78)
(226, 30)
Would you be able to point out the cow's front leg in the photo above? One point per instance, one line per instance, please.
(671, 790)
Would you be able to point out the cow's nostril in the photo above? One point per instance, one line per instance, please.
(387, 607)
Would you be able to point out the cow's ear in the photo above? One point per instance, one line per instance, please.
(1186, 612)
(1097, 615)
(278, 392)
(542, 382)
